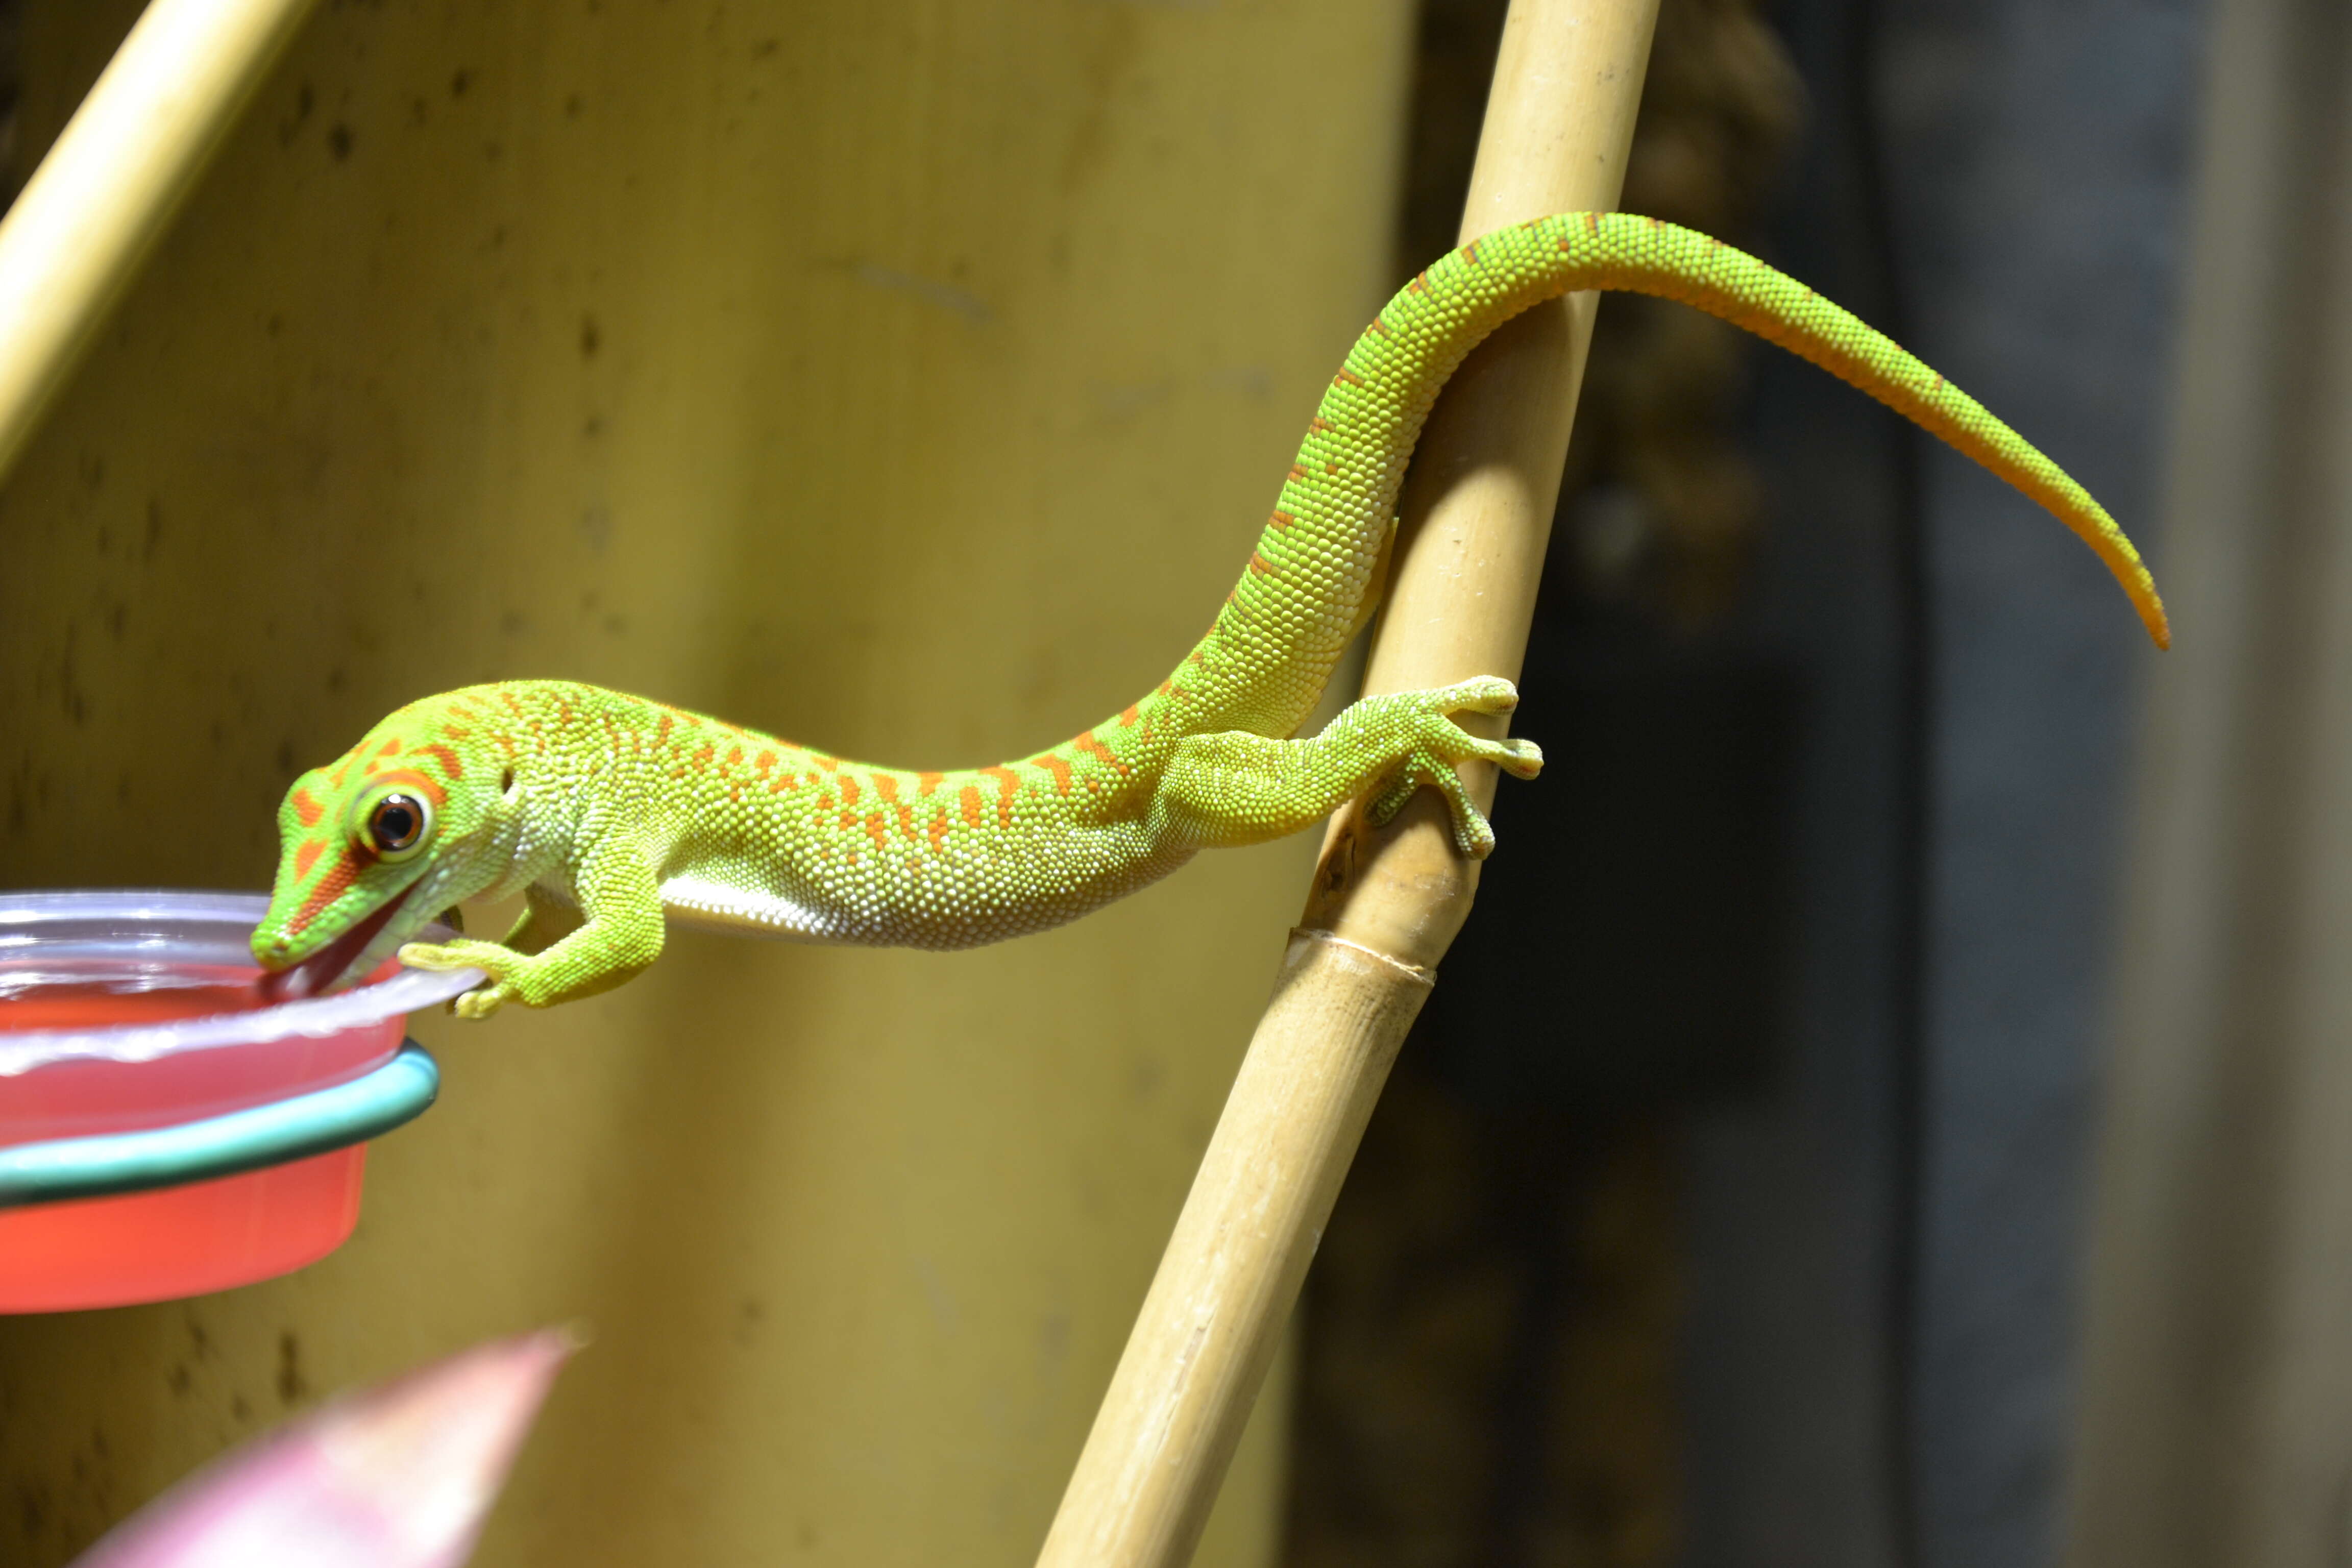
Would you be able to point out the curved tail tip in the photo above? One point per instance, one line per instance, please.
(2151, 614)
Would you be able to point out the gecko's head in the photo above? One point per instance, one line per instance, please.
(375, 845)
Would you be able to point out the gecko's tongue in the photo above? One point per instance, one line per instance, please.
(323, 970)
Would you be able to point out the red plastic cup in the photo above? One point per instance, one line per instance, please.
(121, 1011)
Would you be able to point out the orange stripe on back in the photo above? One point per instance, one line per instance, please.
(1088, 744)
(1008, 785)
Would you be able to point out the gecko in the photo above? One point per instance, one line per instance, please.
(614, 815)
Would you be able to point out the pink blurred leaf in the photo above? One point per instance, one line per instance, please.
(397, 1477)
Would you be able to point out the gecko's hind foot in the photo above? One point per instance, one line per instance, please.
(1439, 743)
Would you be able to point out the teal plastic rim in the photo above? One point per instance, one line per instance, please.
(109, 1164)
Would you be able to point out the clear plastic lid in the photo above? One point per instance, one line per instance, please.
(161, 937)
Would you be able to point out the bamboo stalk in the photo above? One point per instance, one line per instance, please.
(96, 206)
(1385, 904)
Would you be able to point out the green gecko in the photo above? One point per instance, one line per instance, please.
(614, 815)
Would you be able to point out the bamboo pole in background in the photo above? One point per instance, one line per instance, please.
(1385, 905)
(100, 200)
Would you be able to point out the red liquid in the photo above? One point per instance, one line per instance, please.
(177, 1241)
(101, 1004)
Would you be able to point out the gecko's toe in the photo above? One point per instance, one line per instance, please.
(480, 1003)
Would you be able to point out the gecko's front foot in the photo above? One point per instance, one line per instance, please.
(1438, 743)
(501, 964)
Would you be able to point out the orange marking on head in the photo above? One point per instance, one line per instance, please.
(821, 759)
(662, 729)
(306, 855)
(1163, 688)
(1088, 744)
(1056, 766)
(306, 810)
(783, 781)
(332, 886)
(423, 784)
(734, 756)
(1347, 378)
(929, 782)
(514, 704)
(1378, 326)
(456, 731)
(878, 828)
(1419, 284)
(703, 757)
(1592, 223)
(1296, 473)
(969, 798)
(824, 801)
(849, 791)
(1259, 565)
(886, 786)
(763, 762)
(939, 829)
(906, 819)
(735, 793)
(1317, 424)
(1127, 716)
(1470, 252)
(389, 749)
(849, 819)
(1280, 520)
(1008, 785)
(1331, 468)
(451, 768)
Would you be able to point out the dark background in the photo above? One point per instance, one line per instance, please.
(1728, 1205)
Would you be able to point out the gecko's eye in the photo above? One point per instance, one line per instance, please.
(397, 825)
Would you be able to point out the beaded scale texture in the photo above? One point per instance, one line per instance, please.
(613, 814)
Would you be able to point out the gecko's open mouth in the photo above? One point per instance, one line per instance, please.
(324, 970)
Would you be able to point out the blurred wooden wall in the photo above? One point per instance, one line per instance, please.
(907, 378)
(2217, 1408)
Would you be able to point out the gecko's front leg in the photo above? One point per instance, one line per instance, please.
(619, 932)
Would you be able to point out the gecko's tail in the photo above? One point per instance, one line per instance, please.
(1645, 256)
(1282, 629)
